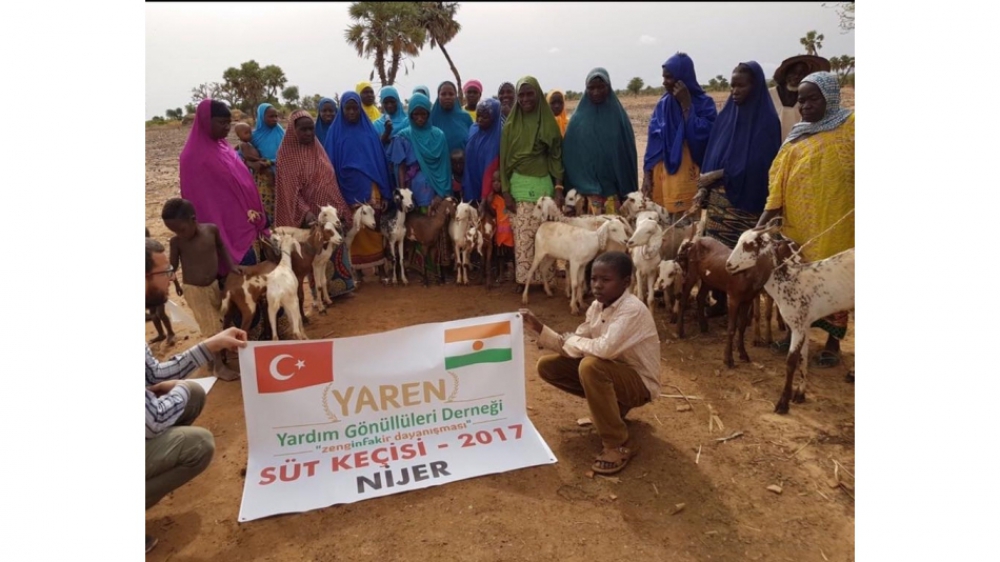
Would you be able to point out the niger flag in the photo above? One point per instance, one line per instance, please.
(480, 343)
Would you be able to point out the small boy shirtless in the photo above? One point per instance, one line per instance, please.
(158, 315)
(262, 168)
(198, 249)
(503, 240)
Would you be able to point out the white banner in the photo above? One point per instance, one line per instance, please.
(344, 420)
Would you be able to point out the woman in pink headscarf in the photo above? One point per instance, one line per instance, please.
(473, 93)
(220, 186)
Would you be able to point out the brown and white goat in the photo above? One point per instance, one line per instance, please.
(244, 293)
(704, 262)
(804, 293)
(426, 229)
(316, 244)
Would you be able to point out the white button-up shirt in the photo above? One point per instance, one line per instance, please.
(623, 331)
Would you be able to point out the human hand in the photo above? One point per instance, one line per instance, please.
(238, 269)
(508, 199)
(647, 184)
(683, 95)
(308, 220)
(559, 198)
(531, 322)
(229, 339)
(161, 388)
(388, 125)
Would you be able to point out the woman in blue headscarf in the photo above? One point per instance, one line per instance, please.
(362, 172)
(393, 119)
(449, 116)
(267, 133)
(677, 137)
(326, 112)
(599, 153)
(482, 152)
(421, 161)
(744, 141)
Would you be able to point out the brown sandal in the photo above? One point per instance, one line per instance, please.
(617, 459)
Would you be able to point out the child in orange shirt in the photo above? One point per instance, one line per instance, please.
(503, 240)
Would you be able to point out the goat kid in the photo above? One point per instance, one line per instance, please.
(644, 246)
(315, 246)
(393, 227)
(284, 289)
(425, 230)
(458, 230)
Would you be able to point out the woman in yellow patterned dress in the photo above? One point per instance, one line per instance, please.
(812, 187)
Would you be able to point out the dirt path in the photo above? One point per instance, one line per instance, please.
(555, 511)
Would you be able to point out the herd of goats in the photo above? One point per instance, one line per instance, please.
(671, 257)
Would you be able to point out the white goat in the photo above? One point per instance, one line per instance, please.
(282, 289)
(364, 217)
(670, 280)
(804, 292)
(328, 213)
(644, 245)
(458, 229)
(393, 227)
(576, 245)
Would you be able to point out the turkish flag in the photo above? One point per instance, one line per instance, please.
(291, 366)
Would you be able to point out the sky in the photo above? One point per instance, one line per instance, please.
(192, 43)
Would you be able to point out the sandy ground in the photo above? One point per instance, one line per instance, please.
(555, 511)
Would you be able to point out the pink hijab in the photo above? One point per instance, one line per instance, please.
(220, 187)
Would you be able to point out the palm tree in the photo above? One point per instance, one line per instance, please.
(812, 42)
(386, 31)
(438, 18)
(843, 67)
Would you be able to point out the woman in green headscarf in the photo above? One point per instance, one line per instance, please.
(530, 167)
(599, 149)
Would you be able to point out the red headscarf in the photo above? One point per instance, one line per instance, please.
(306, 180)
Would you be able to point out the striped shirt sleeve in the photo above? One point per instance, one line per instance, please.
(163, 412)
(177, 367)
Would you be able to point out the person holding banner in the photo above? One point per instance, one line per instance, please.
(175, 452)
(612, 360)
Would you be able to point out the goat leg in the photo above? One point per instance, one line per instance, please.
(799, 396)
(302, 300)
(733, 311)
(744, 316)
(791, 364)
(768, 313)
(315, 279)
(699, 307)
(755, 318)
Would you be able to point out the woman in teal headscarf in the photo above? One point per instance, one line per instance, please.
(530, 167)
(267, 137)
(326, 112)
(449, 116)
(599, 149)
(267, 133)
(421, 161)
(393, 119)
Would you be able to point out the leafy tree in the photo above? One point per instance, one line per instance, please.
(843, 67)
(438, 18)
(190, 109)
(635, 85)
(274, 80)
(309, 103)
(291, 95)
(175, 114)
(386, 32)
(812, 42)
